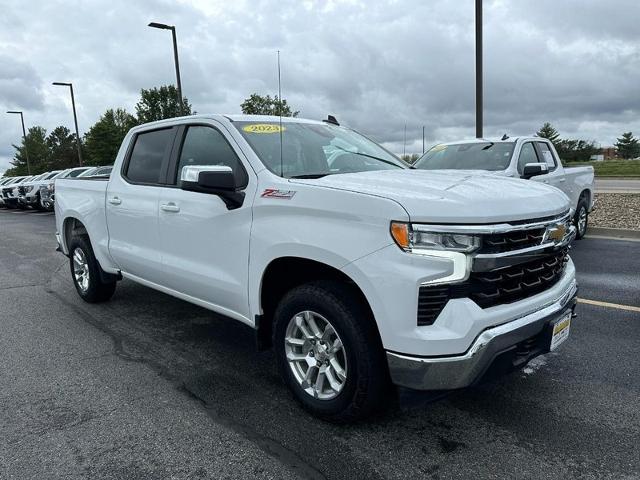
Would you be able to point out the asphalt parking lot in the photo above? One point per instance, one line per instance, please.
(148, 387)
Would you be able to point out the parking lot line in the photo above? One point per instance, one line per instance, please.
(597, 303)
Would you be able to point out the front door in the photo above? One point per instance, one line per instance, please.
(205, 246)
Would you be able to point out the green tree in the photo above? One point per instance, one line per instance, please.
(576, 150)
(266, 105)
(548, 132)
(410, 158)
(63, 149)
(628, 146)
(160, 103)
(103, 139)
(36, 145)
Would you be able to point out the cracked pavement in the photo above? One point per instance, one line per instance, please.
(147, 386)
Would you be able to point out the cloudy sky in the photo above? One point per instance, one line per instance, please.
(377, 65)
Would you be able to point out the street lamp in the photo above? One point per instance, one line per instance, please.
(24, 136)
(162, 26)
(478, 68)
(75, 117)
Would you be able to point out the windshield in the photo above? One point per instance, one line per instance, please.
(468, 156)
(315, 150)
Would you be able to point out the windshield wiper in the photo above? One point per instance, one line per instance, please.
(491, 144)
(311, 175)
(370, 156)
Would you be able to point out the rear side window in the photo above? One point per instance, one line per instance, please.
(527, 155)
(207, 146)
(147, 156)
(547, 155)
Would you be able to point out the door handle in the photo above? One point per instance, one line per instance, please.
(545, 181)
(563, 180)
(115, 201)
(170, 207)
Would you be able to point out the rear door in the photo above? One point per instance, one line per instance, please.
(205, 246)
(132, 204)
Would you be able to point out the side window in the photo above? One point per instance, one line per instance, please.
(207, 146)
(527, 155)
(547, 155)
(147, 155)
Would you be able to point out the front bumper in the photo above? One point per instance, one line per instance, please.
(27, 200)
(459, 371)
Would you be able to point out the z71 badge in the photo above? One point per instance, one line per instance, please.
(275, 193)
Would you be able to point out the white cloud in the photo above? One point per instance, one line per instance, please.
(375, 65)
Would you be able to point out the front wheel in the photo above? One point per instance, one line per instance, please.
(329, 353)
(581, 219)
(86, 272)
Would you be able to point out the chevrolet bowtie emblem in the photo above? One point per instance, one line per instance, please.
(555, 232)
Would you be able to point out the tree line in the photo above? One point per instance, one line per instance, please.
(57, 150)
(573, 150)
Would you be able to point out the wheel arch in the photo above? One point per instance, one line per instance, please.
(587, 195)
(284, 273)
(72, 226)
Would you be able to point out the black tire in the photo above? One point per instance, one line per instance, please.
(37, 205)
(96, 290)
(367, 384)
(582, 208)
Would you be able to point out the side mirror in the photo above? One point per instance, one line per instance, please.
(533, 169)
(214, 180)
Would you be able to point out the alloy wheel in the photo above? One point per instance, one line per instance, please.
(316, 355)
(80, 269)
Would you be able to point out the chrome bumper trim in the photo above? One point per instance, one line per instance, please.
(459, 371)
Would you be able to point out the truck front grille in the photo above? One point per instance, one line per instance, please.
(509, 241)
(497, 287)
(510, 284)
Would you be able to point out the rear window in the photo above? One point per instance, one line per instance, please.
(147, 155)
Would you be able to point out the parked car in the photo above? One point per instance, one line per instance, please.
(4, 181)
(10, 191)
(524, 157)
(359, 274)
(47, 191)
(97, 171)
(29, 192)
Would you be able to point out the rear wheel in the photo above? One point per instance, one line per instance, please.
(329, 353)
(581, 218)
(87, 273)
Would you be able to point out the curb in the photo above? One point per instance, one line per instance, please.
(621, 233)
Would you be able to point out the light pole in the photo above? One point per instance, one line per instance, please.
(478, 68)
(162, 26)
(24, 136)
(75, 117)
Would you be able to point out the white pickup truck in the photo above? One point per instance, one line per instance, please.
(523, 157)
(358, 270)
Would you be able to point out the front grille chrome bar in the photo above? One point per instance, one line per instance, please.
(490, 228)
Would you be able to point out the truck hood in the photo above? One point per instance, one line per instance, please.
(432, 196)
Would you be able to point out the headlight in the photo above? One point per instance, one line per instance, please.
(28, 189)
(415, 237)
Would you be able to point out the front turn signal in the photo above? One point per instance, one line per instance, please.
(400, 233)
